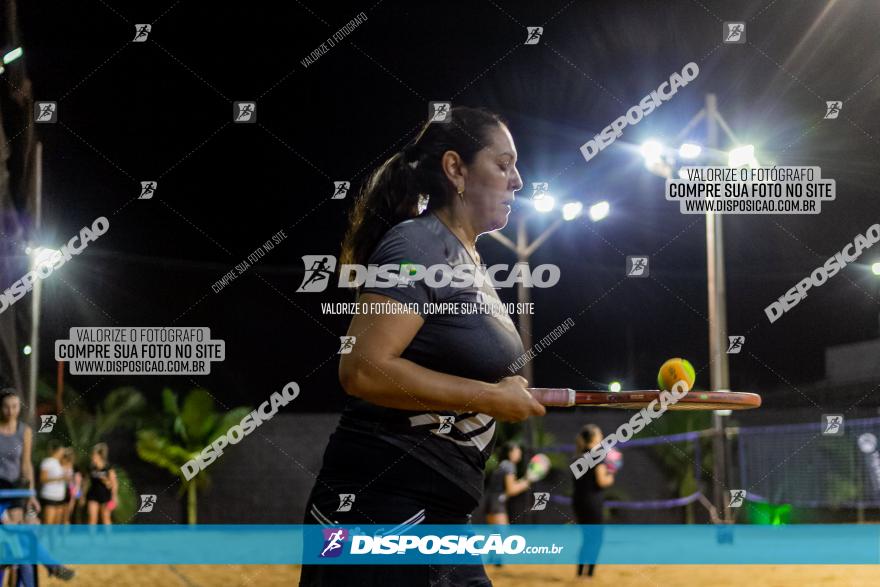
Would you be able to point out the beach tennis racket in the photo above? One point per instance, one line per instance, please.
(635, 400)
(614, 460)
(538, 467)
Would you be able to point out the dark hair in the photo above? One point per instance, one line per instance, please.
(102, 449)
(9, 392)
(507, 447)
(588, 431)
(393, 191)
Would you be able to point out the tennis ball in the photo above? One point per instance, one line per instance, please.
(673, 371)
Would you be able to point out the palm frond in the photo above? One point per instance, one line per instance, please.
(198, 415)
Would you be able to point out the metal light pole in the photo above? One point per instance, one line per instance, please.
(33, 372)
(523, 294)
(875, 269)
(719, 371)
(523, 250)
(37, 290)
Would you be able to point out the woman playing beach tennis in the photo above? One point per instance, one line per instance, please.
(589, 496)
(503, 485)
(426, 388)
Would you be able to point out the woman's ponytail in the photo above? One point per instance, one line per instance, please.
(389, 196)
(412, 180)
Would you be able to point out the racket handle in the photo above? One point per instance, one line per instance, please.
(553, 396)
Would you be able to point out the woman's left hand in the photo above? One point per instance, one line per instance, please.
(34, 503)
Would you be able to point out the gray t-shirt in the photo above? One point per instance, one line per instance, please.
(11, 447)
(474, 345)
(496, 483)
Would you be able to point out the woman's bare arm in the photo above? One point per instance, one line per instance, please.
(27, 467)
(514, 486)
(374, 371)
(604, 477)
(114, 485)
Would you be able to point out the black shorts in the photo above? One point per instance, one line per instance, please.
(496, 503)
(16, 502)
(98, 496)
(391, 487)
(52, 502)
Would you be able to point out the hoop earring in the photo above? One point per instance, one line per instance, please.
(461, 195)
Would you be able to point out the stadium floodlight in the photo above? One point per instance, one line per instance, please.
(599, 211)
(615, 386)
(544, 202)
(652, 150)
(42, 256)
(740, 156)
(689, 151)
(875, 268)
(572, 210)
(13, 55)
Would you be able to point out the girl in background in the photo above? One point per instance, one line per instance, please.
(74, 486)
(589, 496)
(102, 493)
(53, 481)
(16, 469)
(503, 485)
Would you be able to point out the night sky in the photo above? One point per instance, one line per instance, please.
(162, 110)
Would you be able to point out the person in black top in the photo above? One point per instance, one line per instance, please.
(426, 387)
(101, 495)
(503, 484)
(588, 501)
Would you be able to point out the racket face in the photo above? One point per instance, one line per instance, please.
(695, 400)
(539, 466)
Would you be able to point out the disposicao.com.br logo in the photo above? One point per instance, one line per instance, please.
(337, 541)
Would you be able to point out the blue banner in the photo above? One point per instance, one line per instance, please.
(442, 544)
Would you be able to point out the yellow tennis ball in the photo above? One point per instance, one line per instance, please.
(673, 371)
